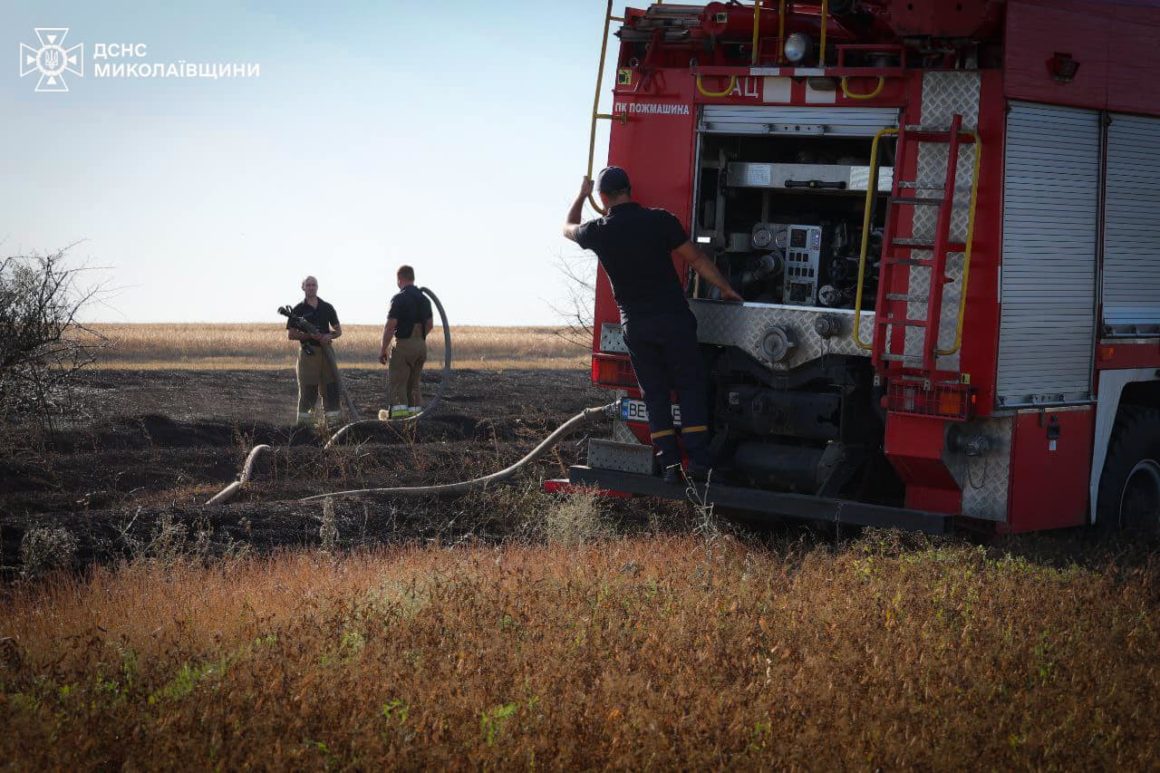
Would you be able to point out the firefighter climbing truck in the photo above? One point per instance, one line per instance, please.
(943, 217)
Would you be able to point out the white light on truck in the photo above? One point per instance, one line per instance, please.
(704, 239)
(797, 46)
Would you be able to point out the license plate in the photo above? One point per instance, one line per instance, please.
(635, 410)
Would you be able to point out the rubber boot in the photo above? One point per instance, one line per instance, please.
(700, 461)
(304, 419)
(668, 455)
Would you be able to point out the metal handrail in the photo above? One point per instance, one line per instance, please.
(967, 246)
(756, 28)
(868, 95)
(871, 191)
(723, 93)
(822, 36)
(596, 114)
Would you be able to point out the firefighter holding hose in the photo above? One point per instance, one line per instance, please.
(635, 246)
(317, 369)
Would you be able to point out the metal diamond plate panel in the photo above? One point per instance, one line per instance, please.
(612, 339)
(983, 479)
(620, 431)
(947, 93)
(622, 434)
(625, 457)
(944, 94)
(746, 326)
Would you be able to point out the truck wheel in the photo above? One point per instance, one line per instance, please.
(1130, 483)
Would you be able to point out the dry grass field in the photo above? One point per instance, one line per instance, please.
(229, 346)
(509, 628)
(660, 652)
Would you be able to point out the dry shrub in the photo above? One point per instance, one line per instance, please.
(575, 519)
(45, 550)
(616, 654)
(328, 530)
(42, 345)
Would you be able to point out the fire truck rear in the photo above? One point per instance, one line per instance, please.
(943, 219)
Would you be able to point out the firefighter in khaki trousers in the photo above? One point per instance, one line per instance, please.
(316, 369)
(408, 322)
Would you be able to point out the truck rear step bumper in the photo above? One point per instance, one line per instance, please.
(771, 503)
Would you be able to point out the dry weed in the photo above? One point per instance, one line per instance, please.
(45, 550)
(575, 519)
(883, 654)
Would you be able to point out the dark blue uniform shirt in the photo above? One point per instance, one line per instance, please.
(323, 316)
(410, 307)
(635, 245)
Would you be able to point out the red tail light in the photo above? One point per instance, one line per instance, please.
(612, 370)
(950, 401)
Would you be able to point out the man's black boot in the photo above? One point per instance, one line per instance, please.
(672, 474)
(699, 472)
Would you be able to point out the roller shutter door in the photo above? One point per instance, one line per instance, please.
(1131, 293)
(801, 121)
(1050, 205)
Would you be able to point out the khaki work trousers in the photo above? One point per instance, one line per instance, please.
(405, 369)
(315, 377)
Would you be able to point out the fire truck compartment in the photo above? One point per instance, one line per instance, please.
(780, 202)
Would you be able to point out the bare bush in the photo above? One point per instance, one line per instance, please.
(576, 310)
(45, 550)
(575, 519)
(42, 345)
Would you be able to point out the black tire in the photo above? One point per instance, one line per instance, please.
(1129, 493)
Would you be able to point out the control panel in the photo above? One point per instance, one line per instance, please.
(802, 256)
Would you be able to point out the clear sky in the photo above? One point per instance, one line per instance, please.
(449, 135)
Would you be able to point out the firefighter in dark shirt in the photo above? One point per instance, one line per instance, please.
(408, 322)
(635, 246)
(317, 370)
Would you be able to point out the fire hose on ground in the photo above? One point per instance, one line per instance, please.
(228, 493)
(443, 489)
(495, 477)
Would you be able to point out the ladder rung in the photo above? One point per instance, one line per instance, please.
(900, 357)
(913, 185)
(917, 200)
(894, 260)
(908, 298)
(901, 322)
(936, 134)
(925, 245)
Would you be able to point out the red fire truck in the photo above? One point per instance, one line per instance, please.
(945, 220)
